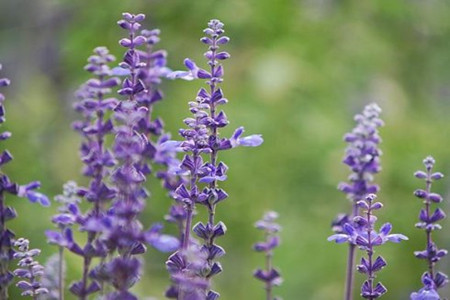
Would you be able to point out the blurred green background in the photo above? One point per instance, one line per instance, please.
(299, 72)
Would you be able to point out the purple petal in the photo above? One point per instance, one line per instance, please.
(181, 75)
(165, 243)
(38, 197)
(397, 238)
(118, 71)
(339, 238)
(251, 141)
(190, 64)
(386, 229)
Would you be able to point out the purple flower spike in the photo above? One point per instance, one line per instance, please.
(115, 232)
(431, 279)
(362, 154)
(362, 158)
(270, 276)
(95, 106)
(201, 165)
(30, 271)
(7, 236)
(159, 150)
(363, 235)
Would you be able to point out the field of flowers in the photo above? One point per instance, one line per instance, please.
(133, 176)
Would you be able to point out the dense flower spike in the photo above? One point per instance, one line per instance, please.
(362, 157)
(122, 230)
(160, 150)
(431, 279)
(30, 271)
(270, 276)
(67, 217)
(362, 234)
(95, 107)
(8, 213)
(202, 139)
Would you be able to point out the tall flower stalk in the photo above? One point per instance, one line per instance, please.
(95, 107)
(7, 213)
(202, 144)
(30, 271)
(362, 234)
(123, 232)
(160, 150)
(362, 157)
(431, 279)
(270, 275)
(66, 218)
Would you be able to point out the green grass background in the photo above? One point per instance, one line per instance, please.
(299, 72)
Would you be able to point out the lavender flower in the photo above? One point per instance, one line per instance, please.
(94, 128)
(431, 279)
(362, 234)
(30, 270)
(270, 276)
(362, 157)
(186, 267)
(67, 217)
(160, 150)
(202, 138)
(122, 230)
(7, 212)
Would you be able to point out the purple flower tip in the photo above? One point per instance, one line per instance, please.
(425, 294)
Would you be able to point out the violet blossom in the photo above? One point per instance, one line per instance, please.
(160, 150)
(7, 213)
(362, 234)
(202, 144)
(95, 106)
(270, 275)
(122, 231)
(64, 220)
(431, 279)
(362, 158)
(30, 271)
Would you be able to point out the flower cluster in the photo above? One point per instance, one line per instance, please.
(363, 234)
(362, 157)
(64, 220)
(160, 149)
(431, 279)
(29, 269)
(201, 139)
(270, 276)
(95, 106)
(122, 229)
(8, 213)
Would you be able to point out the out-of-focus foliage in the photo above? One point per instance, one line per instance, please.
(298, 73)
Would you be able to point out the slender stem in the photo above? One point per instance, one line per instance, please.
(4, 264)
(191, 206)
(350, 272)
(268, 269)
(213, 156)
(187, 230)
(370, 249)
(87, 262)
(61, 273)
(428, 231)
